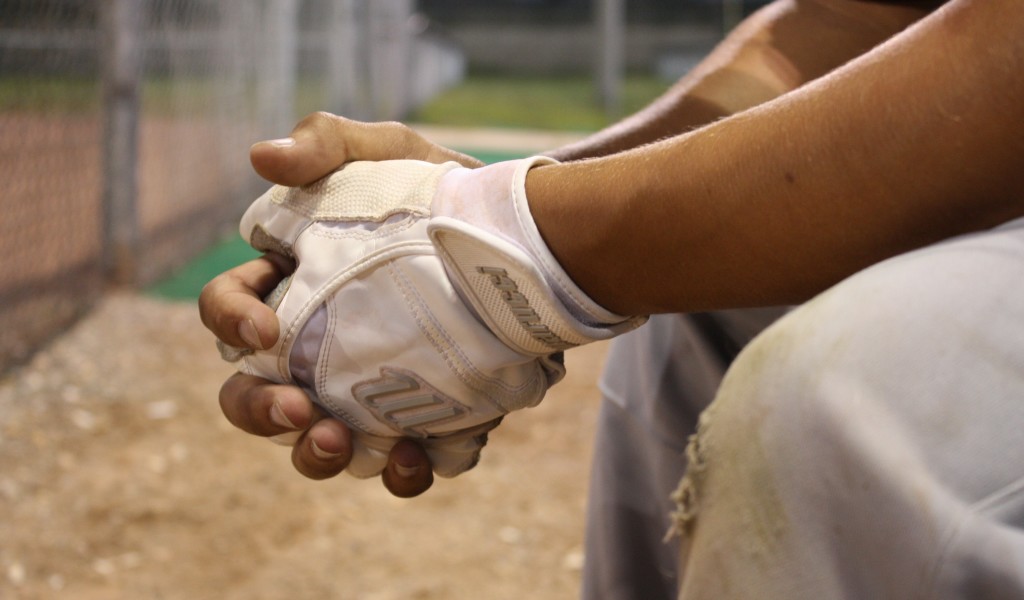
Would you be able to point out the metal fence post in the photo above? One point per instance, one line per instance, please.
(389, 57)
(278, 75)
(610, 16)
(121, 22)
(344, 94)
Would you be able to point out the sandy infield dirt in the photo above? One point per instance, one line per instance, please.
(120, 478)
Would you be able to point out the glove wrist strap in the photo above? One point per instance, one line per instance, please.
(499, 262)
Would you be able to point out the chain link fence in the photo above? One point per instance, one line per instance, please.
(124, 128)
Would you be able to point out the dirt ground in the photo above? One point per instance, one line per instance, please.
(119, 478)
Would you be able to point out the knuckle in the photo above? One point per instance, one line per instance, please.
(312, 468)
(398, 140)
(228, 398)
(317, 119)
(210, 307)
(409, 140)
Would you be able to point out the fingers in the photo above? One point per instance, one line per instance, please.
(314, 149)
(264, 408)
(408, 472)
(324, 451)
(231, 307)
(324, 446)
(322, 142)
(257, 406)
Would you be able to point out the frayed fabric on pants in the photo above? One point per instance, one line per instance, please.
(658, 380)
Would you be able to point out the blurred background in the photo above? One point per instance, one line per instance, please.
(124, 124)
(124, 135)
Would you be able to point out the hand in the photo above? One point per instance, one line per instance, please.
(231, 306)
(424, 304)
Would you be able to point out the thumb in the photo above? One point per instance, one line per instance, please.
(322, 142)
(311, 151)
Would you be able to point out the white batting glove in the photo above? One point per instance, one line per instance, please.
(424, 304)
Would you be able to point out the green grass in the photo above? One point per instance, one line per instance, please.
(559, 103)
(48, 94)
(158, 95)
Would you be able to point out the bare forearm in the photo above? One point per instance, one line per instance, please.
(774, 51)
(914, 142)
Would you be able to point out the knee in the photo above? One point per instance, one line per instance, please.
(860, 341)
(791, 405)
(798, 373)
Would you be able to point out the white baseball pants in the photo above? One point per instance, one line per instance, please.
(870, 444)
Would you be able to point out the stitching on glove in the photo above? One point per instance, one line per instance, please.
(324, 230)
(442, 342)
(501, 395)
(324, 356)
(326, 399)
(562, 327)
(330, 286)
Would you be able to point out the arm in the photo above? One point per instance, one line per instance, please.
(774, 51)
(915, 141)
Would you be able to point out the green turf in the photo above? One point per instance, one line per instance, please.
(187, 282)
(493, 156)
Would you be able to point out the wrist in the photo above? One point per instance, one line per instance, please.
(493, 251)
(494, 198)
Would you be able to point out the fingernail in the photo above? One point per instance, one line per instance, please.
(406, 472)
(247, 331)
(321, 453)
(277, 417)
(289, 438)
(287, 142)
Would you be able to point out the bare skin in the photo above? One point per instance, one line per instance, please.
(741, 211)
(777, 203)
(774, 51)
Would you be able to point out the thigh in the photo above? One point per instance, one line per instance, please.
(867, 444)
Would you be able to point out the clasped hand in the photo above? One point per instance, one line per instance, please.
(231, 304)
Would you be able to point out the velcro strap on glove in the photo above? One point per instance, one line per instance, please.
(508, 292)
(500, 263)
